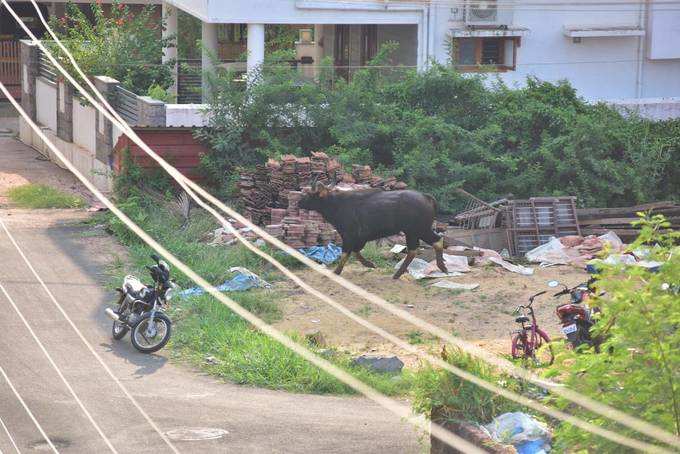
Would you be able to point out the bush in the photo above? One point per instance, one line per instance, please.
(438, 130)
(455, 399)
(638, 371)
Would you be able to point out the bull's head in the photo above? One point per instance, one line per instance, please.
(315, 198)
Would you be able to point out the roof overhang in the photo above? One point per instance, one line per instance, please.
(509, 32)
(601, 31)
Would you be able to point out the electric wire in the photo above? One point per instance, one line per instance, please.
(23, 404)
(56, 368)
(9, 435)
(395, 407)
(83, 339)
(592, 405)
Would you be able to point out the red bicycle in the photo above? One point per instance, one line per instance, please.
(530, 342)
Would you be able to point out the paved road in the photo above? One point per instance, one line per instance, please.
(71, 260)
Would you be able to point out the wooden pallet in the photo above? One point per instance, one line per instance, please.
(534, 221)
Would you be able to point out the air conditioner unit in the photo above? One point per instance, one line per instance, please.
(482, 12)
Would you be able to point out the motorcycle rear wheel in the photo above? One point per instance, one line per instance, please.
(163, 327)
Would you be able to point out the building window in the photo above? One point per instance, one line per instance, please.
(484, 54)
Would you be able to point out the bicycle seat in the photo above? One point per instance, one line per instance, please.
(522, 319)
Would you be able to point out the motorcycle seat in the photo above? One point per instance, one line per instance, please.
(522, 319)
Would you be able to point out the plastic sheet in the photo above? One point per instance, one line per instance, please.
(242, 281)
(526, 434)
(323, 254)
(420, 269)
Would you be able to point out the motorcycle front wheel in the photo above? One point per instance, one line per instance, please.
(148, 337)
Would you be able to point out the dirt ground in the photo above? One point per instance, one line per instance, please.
(483, 316)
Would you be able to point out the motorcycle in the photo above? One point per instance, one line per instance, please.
(141, 309)
(576, 316)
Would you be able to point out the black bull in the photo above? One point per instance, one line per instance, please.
(366, 215)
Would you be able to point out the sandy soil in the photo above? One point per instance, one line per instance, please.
(483, 316)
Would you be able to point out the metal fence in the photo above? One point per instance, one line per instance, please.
(10, 67)
(46, 69)
(127, 105)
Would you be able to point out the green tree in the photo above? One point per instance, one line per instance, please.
(122, 45)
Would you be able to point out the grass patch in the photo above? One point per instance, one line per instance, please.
(203, 327)
(415, 337)
(43, 196)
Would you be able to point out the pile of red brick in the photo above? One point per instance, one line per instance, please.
(272, 192)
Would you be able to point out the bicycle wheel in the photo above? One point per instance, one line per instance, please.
(542, 353)
(519, 346)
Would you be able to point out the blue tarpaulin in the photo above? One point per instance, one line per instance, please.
(323, 254)
(244, 280)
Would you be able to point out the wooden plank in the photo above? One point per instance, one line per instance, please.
(608, 221)
(586, 213)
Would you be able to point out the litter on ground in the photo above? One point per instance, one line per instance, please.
(521, 430)
(454, 285)
(575, 250)
(519, 269)
(242, 281)
(421, 269)
(323, 254)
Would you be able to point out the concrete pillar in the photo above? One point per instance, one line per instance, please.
(64, 111)
(255, 47)
(104, 128)
(209, 51)
(29, 72)
(170, 30)
(151, 112)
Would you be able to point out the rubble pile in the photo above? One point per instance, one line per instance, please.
(271, 194)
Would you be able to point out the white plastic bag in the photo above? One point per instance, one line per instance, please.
(518, 428)
(553, 252)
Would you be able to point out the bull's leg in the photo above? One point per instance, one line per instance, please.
(437, 243)
(363, 260)
(410, 255)
(439, 251)
(341, 264)
(412, 242)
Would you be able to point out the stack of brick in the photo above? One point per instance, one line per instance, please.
(271, 195)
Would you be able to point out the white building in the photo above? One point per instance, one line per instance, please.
(607, 49)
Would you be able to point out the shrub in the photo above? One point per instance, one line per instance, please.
(458, 400)
(438, 130)
(638, 370)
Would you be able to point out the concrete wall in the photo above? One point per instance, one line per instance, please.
(46, 103)
(650, 108)
(184, 115)
(95, 171)
(301, 11)
(599, 67)
(84, 126)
